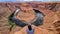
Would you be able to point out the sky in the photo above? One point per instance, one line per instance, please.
(27, 0)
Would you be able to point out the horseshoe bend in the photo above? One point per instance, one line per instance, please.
(27, 14)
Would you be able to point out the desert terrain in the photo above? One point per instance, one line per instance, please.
(51, 20)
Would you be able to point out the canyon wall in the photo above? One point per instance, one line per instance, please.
(51, 20)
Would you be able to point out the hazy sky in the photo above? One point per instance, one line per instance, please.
(26, 0)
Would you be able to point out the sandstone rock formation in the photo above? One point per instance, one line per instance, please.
(51, 20)
(26, 13)
(37, 30)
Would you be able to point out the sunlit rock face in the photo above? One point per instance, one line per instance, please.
(51, 11)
